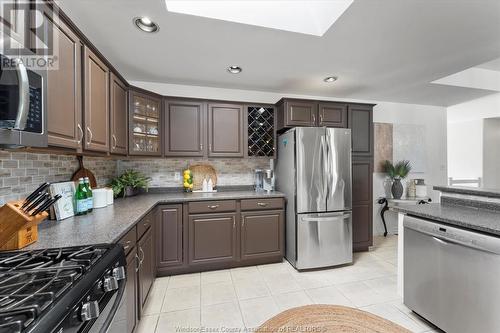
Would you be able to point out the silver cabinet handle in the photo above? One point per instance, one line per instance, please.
(201, 146)
(234, 224)
(262, 204)
(90, 135)
(127, 245)
(113, 137)
(81, 133)
(321, 118)
(142, 252)
(313, 118)
(137, 263)
(213, 206)
(24, 96)
(210, 146)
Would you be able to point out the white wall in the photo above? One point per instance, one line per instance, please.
(485, 107)
(433, 118)
(465, 149)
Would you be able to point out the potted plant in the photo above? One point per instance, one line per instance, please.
(396, 172)
(129, 183)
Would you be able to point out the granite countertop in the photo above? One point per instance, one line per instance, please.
(484, 220)
(483, 192)
(109, 224)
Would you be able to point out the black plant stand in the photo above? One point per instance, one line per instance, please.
(385, 208)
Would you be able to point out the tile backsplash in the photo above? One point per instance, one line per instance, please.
(22, 172)
(229, 171)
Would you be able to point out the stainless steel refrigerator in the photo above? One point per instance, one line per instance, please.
(314, 171)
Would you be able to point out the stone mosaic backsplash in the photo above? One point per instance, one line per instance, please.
(229, 171)
(21, 172)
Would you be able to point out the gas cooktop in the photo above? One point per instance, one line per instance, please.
(33, 283)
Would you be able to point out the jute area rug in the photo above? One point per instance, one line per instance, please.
(328, 319)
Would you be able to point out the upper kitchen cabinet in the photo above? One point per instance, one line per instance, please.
(225, 130)
(144, 124)
(118, 116)
(293, 112)
(14, 14)
(64, 85)
(332, 115)
(96, 103)
(361, 124)
(185, 124)
(261, 134)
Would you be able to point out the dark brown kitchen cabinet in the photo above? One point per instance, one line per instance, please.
(362, 203)
(118, 116)
(64, 85)
(96, 94)
(14, 14)
(169, 236)
(130, 294)
(332, 115)
(185, 124)
(225, 130)
(212, 238)
(146, 273)
(144, 124)
(361, 124)
(261, 234)
(292, 113)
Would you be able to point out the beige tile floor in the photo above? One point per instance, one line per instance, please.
(246, 297)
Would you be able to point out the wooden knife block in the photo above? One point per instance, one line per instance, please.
(17, 229)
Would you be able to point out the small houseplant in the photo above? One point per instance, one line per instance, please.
(397, 172)
(129, 183)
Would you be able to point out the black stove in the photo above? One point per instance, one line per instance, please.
(61, 289)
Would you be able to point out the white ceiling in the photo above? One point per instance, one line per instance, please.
(385, 50)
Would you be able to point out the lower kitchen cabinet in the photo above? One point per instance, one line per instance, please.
(261, 234)
(146, 273)
(212, 238)
(169, 237)
(131, 292)
(362, 203)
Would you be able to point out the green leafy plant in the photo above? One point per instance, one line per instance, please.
(397, 171)
(130, 178)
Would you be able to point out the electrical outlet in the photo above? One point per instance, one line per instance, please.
(177, 176)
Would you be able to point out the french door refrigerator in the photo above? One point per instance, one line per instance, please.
(313, 169)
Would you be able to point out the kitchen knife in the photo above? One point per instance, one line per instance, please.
(35, 194)
(46, 205)
(38, 201)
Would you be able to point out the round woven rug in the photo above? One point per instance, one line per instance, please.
(329, 318)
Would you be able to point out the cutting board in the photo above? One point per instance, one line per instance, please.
(82, 172)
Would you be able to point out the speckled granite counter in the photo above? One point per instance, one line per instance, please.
(483, 220)
(481, 192)
(109, 224)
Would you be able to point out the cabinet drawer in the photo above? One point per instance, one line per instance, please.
(128, 241)
(212, 206)
(260, 204)
(145, 224)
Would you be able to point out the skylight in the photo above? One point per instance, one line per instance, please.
(312, 17)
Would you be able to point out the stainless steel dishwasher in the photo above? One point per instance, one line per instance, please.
(452, 276)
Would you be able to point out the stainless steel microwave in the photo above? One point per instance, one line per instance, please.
(22, 104)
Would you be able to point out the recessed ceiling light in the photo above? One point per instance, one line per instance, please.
(330, 79)
(145, 24)
(234, 69)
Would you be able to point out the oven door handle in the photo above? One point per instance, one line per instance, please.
(114, 308)
(24, 96)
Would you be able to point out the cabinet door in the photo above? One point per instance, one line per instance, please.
(225, 130)
(96, 103)
(212, 238)
(130, 293)
(361, 125)
(185, 128)
(362, 179)
(300, 113)
(15, 20)
(169, 236)
(146, 267)
(261, 234)
(118, 116)
(144, 124)
(64, 93)
(332, 115)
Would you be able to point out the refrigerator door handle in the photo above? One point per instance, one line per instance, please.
(326, 177)
(326, 219)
